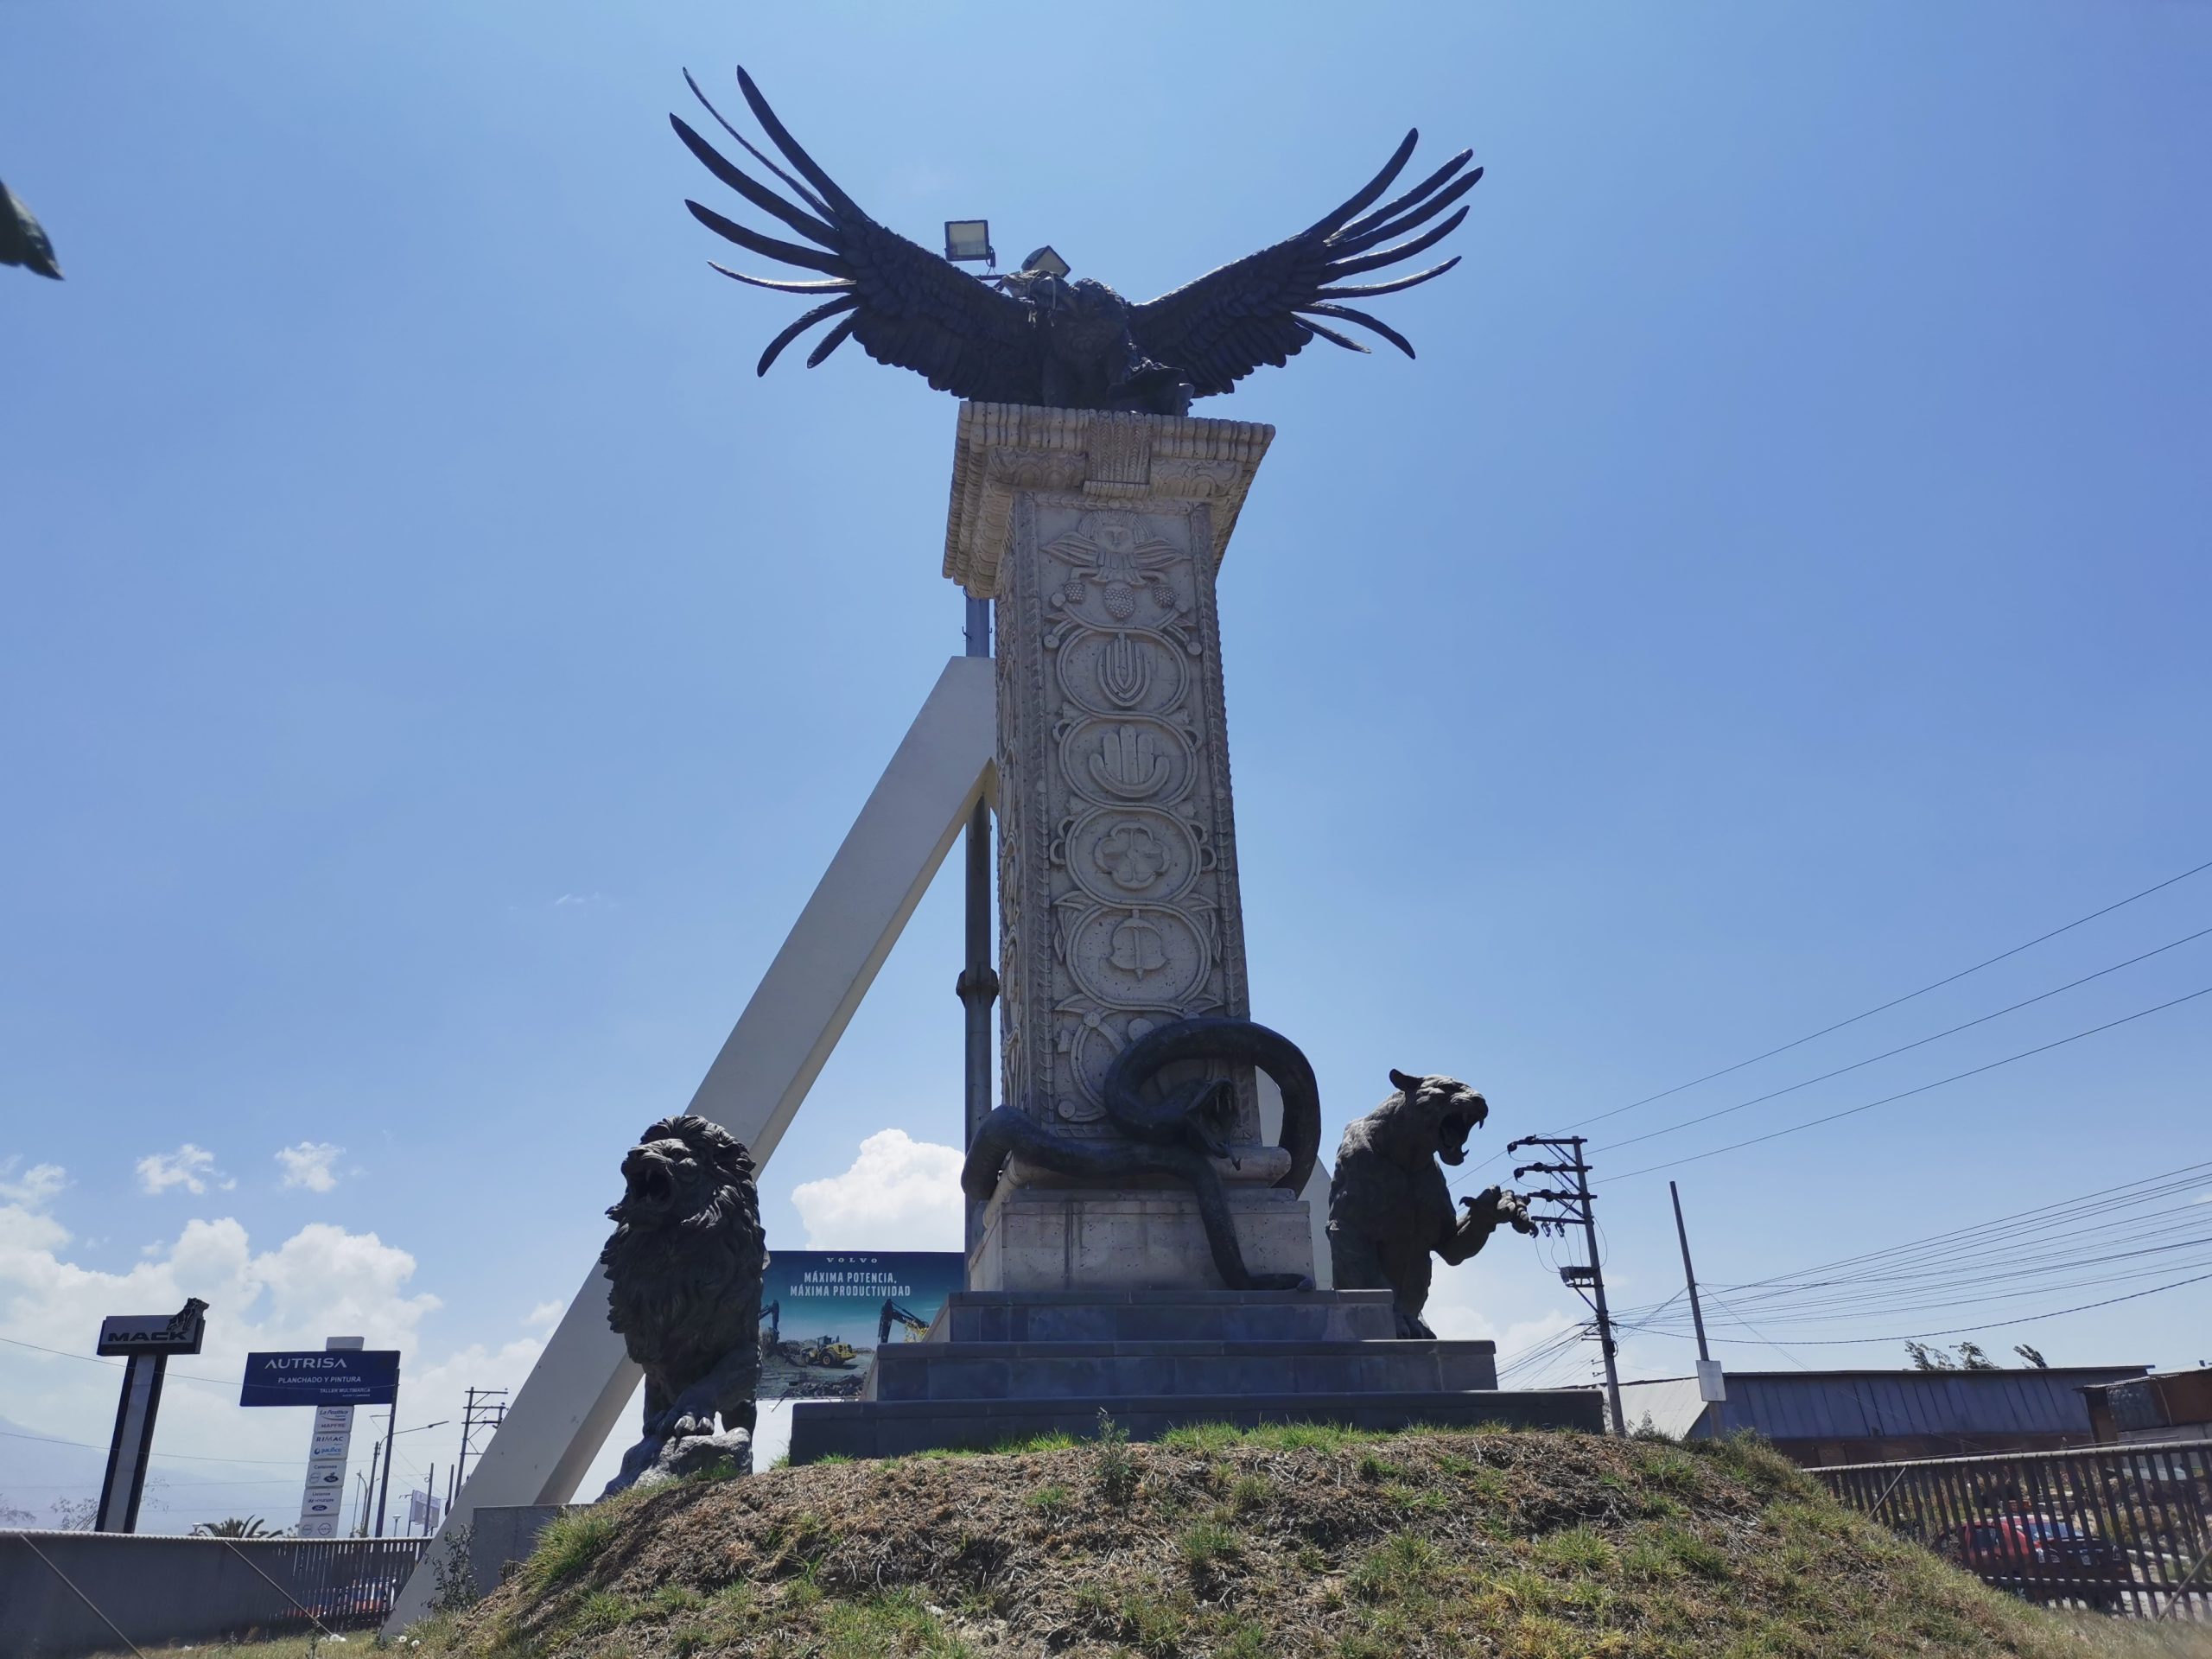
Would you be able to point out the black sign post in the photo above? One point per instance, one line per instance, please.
(145, 1341)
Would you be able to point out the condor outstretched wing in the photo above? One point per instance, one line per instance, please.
(21, 240)
(1263, 308)
(905, 306)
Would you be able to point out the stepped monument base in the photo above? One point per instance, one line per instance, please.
(1001, 1366)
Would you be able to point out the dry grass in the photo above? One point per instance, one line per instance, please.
(2136, 1638)
(1274, 1544)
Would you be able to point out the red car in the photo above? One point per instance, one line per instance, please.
(2042, 1559)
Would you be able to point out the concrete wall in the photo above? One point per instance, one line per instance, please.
(502, 1535)
(155, 1591)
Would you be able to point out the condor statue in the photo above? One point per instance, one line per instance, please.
(1037, 338)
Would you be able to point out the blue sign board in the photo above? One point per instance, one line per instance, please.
(359, 1376)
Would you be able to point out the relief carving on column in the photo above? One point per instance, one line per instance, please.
(1100, 536)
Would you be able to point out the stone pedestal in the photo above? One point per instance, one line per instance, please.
(1099, 537)
(1001, 1366)
(1129, 1238)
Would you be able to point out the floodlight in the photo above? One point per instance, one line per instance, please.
(1048, 262)
(970, 239)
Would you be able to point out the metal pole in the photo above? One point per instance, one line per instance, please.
(1597, 1290)
(467, 1427)
(390, 1427)
(1689, 1274)
(125, 1480)
(978, 984)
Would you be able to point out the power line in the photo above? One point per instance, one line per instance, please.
(1757, 1333)
(2039, 1215)
(1998, 1325)
(172, 1457)
(1893, 1279)
(1904, 1094)
(170, 1376)
(1690, 1123)
(175, 1486)
(1845, 1297)
(1882, 1008)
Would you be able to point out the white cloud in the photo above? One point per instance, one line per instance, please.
(1456, 1310)
(901, 1194)
(581, 901)
(190, 1167)
(320, 1281)
(39, 1183)
(309, 1165)
(545, 1315)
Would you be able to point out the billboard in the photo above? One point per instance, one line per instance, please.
(155, 1333)
(824, 1313)
(360, 1376)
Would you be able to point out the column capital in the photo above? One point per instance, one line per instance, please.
(1003, 448)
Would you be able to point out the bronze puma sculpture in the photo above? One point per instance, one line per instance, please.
(1390, 1209)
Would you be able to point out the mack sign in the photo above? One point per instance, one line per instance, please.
(359, 1376)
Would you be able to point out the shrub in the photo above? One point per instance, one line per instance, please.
(1116, 1465)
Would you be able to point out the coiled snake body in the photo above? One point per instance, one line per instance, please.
(1179, 1135)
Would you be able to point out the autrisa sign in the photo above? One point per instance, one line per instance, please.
(366, 1376)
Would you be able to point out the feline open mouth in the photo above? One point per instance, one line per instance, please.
(649, 1182)
(1451, 1133)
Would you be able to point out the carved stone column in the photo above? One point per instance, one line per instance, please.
(1099, 535)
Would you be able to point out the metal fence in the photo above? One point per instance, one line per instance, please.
(2126, 1529)
(66, 1594)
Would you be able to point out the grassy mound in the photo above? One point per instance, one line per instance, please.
(1278, 1543)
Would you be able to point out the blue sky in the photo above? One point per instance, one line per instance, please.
(435, 670)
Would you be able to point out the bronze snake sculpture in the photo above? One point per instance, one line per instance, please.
(1178, 1135)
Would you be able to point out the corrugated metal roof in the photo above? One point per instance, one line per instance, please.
(1672, 1405)
(1875, 1405)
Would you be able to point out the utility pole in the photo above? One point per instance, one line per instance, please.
(977, 987)
(486, 1409)
(369, 1491)
(390, 1428)
(1580, 1209)
(1711, 1388)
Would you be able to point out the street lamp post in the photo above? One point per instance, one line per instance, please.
(391, 1434)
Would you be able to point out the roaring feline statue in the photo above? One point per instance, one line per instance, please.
(1389, 1205)
(684, 1268)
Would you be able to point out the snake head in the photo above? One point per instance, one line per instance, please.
(1204, 1113)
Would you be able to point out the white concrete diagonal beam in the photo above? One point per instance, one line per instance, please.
(562, 1416)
